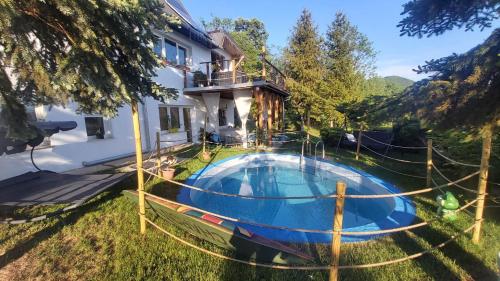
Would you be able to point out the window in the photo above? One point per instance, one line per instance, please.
(171, 51)
(222, 117)
(169, 118)
(95, 127)
(182, 56)
(164, 118)
(174, 118)
(237, 120)
(157, 48)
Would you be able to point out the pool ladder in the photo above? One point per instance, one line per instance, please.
(308, 141)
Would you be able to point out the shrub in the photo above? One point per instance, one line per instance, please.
(330, 136)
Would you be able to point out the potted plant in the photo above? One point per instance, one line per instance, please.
(199, 79)
(166, 169)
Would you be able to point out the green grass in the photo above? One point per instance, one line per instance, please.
(101, 241)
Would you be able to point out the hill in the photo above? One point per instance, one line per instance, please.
(399, 81)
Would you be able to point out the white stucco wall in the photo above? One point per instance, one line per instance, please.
(69, 149)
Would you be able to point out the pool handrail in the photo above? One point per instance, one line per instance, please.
(316, 149)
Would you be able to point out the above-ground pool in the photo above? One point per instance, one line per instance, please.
(277, 175)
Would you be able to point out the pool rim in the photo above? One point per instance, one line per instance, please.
(402, 204)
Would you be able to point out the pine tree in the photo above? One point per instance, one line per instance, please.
(302, 59)
(94, 53)
(463, 90)
(349, 60)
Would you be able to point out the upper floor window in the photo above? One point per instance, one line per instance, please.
(171, 51)
(157, 48)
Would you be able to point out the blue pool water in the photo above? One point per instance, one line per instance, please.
(275, 175)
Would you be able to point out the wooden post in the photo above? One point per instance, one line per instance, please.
(483, 181)
(283, 115)
(260, 106)
(204, 134)
(358, 148)
(158, 153)
(209, 76)
(264, 74)
(429, 163)
(337, 228)
(185, 78)
(269, 102)
(234, 71)
(140, 173)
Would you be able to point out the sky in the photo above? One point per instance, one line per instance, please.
(377, 19)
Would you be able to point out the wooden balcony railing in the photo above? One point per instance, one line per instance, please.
(228, 72)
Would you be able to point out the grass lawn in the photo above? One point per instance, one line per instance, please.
(101, 241)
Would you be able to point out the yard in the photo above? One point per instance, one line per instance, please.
(101, 241)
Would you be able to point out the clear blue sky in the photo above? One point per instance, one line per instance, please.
(377, 19)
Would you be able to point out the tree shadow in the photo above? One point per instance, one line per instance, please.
(433, 265)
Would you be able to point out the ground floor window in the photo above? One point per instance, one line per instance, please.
(169, 118)
(222, 117)
(95, 127)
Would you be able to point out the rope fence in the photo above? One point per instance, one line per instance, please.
(452, 160)
(358, 196)
(391, 170)
(311, 267)
(392, 145)
(337, 231)
(392, 158)
(305, 230)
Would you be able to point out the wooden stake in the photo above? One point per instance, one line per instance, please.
(483, 181)
(140, 173)
(337, 228)
(429, 163)
(158, 153)
(358, 148)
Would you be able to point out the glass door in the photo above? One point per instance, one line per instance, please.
(187, 123)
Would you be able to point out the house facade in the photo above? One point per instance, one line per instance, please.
(212, 92)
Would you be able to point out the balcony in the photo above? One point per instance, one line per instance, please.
(227, 75)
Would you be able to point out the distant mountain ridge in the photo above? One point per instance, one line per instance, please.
(399, 81)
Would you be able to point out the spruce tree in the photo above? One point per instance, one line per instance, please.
(463, 90)
(349, 59)
(302, 59)
(95, 53)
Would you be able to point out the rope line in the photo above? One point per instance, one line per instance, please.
(242, 196)
(392, 145)
(453, 161)
(311, 267)
(456, 184)
(372, 196)
(392, 158)
(349, 233)
(391, 170)
(424, 190)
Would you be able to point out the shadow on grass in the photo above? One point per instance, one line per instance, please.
(433, 265)
(62, 221)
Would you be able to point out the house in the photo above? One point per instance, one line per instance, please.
(206, 70)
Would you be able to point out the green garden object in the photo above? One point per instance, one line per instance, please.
(448, 205)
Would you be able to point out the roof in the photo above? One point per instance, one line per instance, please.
(189, 27)
(224, 41)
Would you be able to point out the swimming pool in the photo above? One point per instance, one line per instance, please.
(278, 175)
